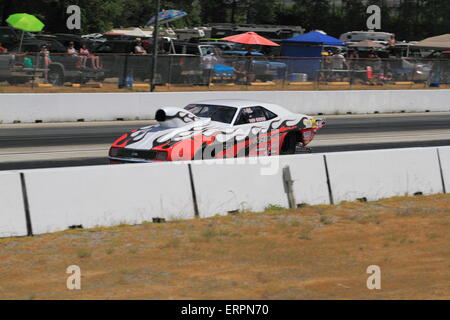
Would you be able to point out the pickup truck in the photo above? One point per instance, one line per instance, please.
(63, 67)
(184, 66)
(19, 68)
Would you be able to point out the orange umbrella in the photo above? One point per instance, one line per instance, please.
(251, 38)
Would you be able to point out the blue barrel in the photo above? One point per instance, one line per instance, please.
(129, 82)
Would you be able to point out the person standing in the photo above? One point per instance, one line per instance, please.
(47, 60)
(138, 48)
(208, 62)
(338, 61)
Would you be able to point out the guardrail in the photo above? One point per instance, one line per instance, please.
(53, 107)
(48, 200)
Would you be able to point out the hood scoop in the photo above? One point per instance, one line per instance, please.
(172, 117)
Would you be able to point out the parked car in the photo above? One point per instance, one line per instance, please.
(409, 69)
(198, 49)
(224, 45)
(263, 68)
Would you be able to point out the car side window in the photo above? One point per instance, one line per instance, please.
(269, 114)
(251, 115)
(192, 50)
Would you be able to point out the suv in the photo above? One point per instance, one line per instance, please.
(10, 37)
(197, 49)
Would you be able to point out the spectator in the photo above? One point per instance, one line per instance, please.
(249, 65)
(327, 60)
(391, 45)
(338, 61)
(3, 50)
(71, 49)
(239, 72)
(138, 48)
(392, 42)
(374, 61)
(46, 53)
(353, 59)
(47, 60)
(84, 53)
(208, 62)
(353, 54)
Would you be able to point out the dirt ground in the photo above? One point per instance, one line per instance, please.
(110, 85)
(314, 252)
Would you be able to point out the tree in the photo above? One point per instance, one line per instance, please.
(313, 14)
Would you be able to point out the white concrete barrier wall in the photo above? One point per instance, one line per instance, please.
(252, 184)
(383, 173)
(233, 185)
(12, 213)
(57, 107)
(111, 195)
(107, 195)
(444, 154)
(309, 176)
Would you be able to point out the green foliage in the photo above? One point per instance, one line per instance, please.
(274, 207)
(411, 20)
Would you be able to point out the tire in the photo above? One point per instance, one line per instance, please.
(265, 78)
(289, 144)
(56, 76)
(16, 81)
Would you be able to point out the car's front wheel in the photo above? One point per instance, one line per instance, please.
(289, 144)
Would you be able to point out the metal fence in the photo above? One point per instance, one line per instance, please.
(134, 71)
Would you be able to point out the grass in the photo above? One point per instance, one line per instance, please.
(82, 253)
(274, 207)
(313, 252)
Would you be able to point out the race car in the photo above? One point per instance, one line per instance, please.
(217, 129)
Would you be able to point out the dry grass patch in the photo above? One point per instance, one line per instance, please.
(314, 252)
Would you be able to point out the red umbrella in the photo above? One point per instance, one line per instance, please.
(251, 38)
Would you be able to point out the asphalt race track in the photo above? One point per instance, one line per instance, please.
(27, 146)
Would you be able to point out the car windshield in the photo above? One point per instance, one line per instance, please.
(223, 114)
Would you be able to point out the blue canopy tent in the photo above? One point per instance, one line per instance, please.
(315, 37)
(308, 45)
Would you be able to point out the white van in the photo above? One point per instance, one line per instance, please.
(356, 36)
